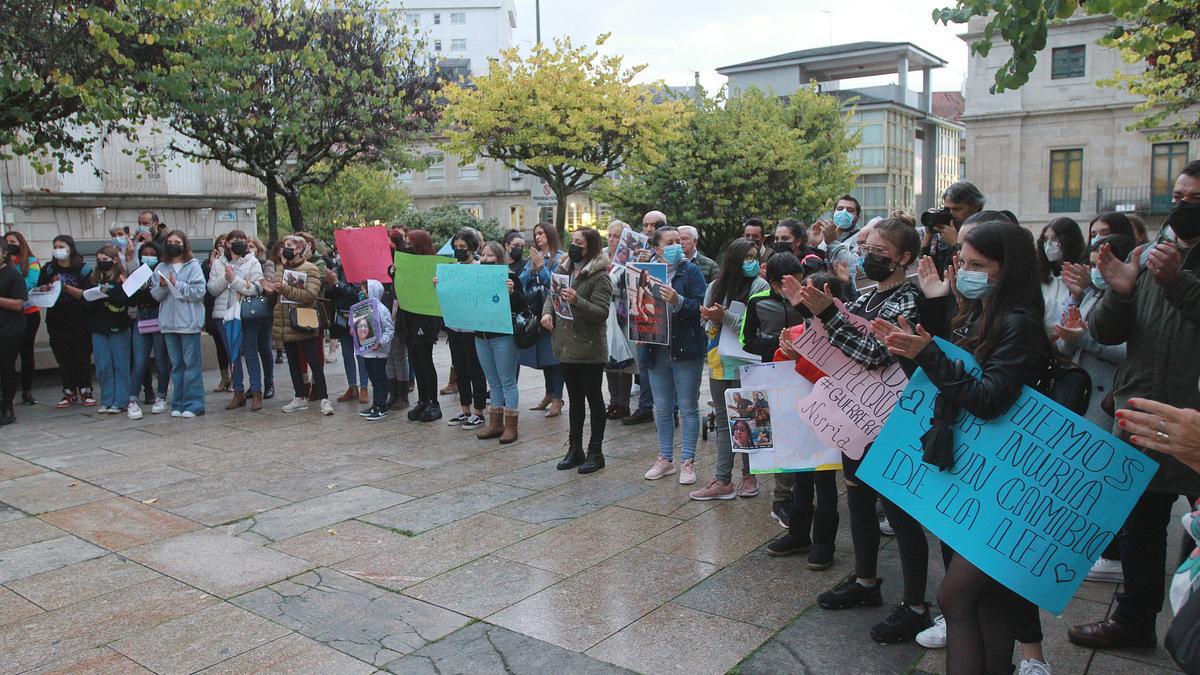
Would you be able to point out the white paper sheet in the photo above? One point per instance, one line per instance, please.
(170, 286)
(730, 346)
(46, 299)
(94, 293)
(137, 279)
(797, 447)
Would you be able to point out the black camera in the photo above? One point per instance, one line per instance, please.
(937, 217)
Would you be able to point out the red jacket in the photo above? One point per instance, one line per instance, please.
(803, 365)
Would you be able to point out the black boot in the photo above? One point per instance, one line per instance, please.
(417, 411)
(393, 392)
(574, 455)
(433, 411)
(7, 416)
(595, 459)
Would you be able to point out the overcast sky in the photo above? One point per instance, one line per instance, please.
(676, 37)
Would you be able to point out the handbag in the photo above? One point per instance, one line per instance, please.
(255, 307)
(1183, 638)
(526, 328)
(148, 326)
(1068, 385)
(305, 320)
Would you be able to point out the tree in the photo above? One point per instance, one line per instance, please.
(68, 78)
(567, 115)
(751, 155)
(442, 222)
(291, 92)
(359, 195)
(1162, 34)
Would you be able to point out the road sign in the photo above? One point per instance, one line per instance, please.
(542, 195)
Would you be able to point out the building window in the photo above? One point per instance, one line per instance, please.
(1067, 62)
(458, 17)
(868, 157)
(473, 208)
(437, 19)
(458, 45)
(546, 214)
(516, 217)
(405, 177)
(437, 167)
(437, 45)
(872, 134)
(468, 172)
(515, 176)
(414, 19)
(1166, 161)
(1066, 180)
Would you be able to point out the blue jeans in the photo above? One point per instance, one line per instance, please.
(645, 389)
(256, 351)
(554, 381)
(353, 363)
(143, 346)
(498, 357)
(111, 352)
(676, 383)
(186, 378)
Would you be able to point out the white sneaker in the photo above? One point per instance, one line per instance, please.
(934, 637)
(662, 467)
(296, 405)
(1034, 667)
(160, 406)
(187, 414)
(687, 473)
(326, 407)
(134, 411)
(1106, 571)
(176, 413)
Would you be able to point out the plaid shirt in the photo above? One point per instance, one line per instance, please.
(866, 349)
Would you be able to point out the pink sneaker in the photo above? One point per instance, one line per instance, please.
(715, 490)
(749, 487)
(662, 467)
(687, 474)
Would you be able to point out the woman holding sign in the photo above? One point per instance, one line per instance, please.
(108, 322)
(72, 346)
(535, 284)
(472, 385)
(147, 338)
(1000, 322)
(497, 353)
(890, 247)
(581, 343)
(297, 286)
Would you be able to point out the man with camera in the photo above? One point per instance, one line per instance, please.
(959, 201)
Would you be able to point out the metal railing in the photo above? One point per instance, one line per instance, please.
(1132, 200)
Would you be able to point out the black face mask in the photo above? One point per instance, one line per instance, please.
(461, 254)
(174, 250)
(877, 267)
(1185, 220)
(13, 249)
(239, 247)
(517, 253)
(288, 253)
(575, 252)
(782, 247)
(104, 265)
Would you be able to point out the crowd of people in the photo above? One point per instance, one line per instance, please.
(1123, 307)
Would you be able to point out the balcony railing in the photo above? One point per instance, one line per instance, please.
(1132, 200)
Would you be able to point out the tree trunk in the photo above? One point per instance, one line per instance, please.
(272, 216)
(292, 198)
(560, 215)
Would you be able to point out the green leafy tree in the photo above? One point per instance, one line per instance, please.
(291, 92)
(1164, 35)
(567, 115)
(441, 222)
(751, 155)
(359, 195)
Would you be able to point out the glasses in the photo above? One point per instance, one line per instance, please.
(877, 250)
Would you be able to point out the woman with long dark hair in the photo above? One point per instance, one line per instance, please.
(108, 323)
(146, 336)
(1000, 323)
(471, 384)
(178, 285)
(535, 284)
(27, 265)
(1061, 241)
(13, 293)
(66, 321)
(420, 333)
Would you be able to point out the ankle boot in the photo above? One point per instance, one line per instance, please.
(495, 425)
(433, 411)
(224, 384)
(393, 393)
(555, 409)
(543, 403)
(256, 401)
(350, 395)
(239, 401)
(595, 459)
(401, 401)
(510, 426)
(417, 411)
(574, 455)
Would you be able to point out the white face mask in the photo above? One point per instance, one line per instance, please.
(61, 253)
(1052, 250)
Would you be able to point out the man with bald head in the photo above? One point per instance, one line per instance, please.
(652, 221)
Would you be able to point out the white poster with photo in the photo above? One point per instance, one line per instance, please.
(749, 412)
(796, 446)
(295, 280)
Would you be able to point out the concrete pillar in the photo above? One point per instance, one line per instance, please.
(902, 71)
(927, 87)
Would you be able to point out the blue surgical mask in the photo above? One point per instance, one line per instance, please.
(974, 285)
(673, 254)
(1098, 279)
(119, 242)
(750, 268)
(150, 260)
(843, 219)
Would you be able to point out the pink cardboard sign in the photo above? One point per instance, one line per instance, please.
(366, 253)
(848, 407)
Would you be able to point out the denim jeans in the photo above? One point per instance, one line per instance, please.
(498, 357)
(676, 383)
(143, 346)
(554, 381)
(724, 470)
(111, 351)
(353, 364)
(255, 334)
(376, 371)
(186, 377)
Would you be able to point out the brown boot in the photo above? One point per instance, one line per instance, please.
(256, 401)
(510, 427)
(364, 396)
(495, 425)
(224, 384)
(555, 408)
(543, 403)
(239, 401)
(350, 395)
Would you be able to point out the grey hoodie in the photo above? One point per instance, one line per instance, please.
(184, 314)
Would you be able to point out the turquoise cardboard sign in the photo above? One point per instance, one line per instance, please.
(474, 297)
(1034, 495)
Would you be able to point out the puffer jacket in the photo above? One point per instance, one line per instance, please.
(246, 270)
(308, 296)
(583, 339)
(1161, 331)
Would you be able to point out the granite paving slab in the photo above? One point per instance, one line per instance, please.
(318, 512)
(483, 587)
(365, 621)
(49, 491)
(218, 563)
(585, 541)
(720, 535)
(439, 509)
(198, 640)
(24, 561)
(570, 501)
(10, 513)
(227, 508)
(119, 523)
(14, 608)
(12, 467)
(99, 661)
(81, 581)
(294, 654)
(341, 541)
(24, 531)
(484, 648)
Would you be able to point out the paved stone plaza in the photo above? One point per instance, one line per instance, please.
(263, 542)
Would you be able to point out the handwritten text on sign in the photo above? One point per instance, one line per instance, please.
(847, 408)
(1034, 496)
(475, 297)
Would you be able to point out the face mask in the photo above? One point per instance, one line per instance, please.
(1098, 279)
(150, 260)
(843, 219)
(104, 265)
(517, 253)
(61, 254)
(575, 253)
(144, 229)
(877, 267)
(673, 254)
(782, 246)
(1052, 250)
(174, 250)
(974, 285)
(750, 268)
(1185, 220)
(1095, 240)
(288, 253)
(461, 254)
(239, 247)
(119, 242)
(13, 249)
